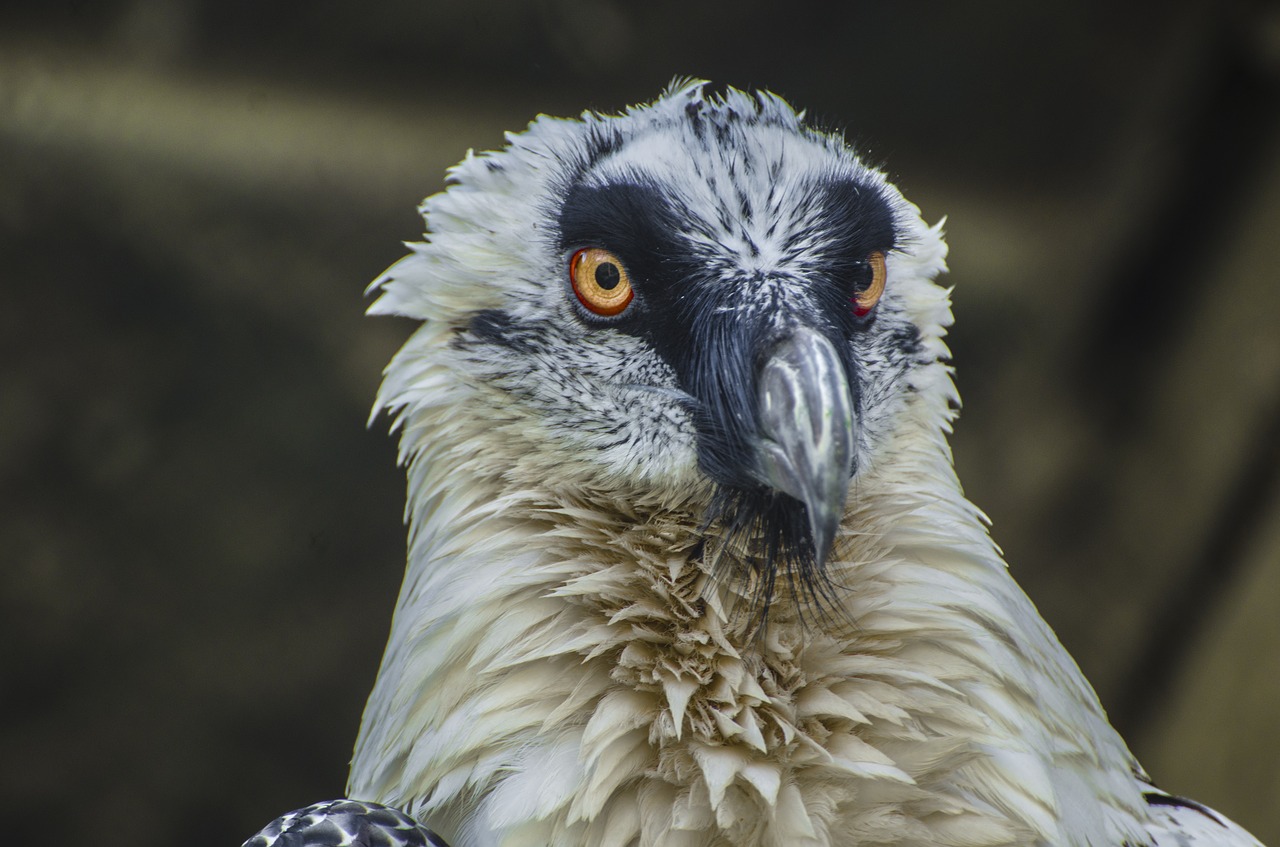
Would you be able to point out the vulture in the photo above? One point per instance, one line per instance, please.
(688, 561)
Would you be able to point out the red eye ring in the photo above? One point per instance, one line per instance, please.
(600, 281)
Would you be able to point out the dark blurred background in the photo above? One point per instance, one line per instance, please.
(202, 542)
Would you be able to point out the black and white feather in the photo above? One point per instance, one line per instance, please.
(688, 560)
(345, 823)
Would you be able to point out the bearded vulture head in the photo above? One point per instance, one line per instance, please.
(688, 561)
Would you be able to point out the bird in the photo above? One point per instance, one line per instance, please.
(688, 559)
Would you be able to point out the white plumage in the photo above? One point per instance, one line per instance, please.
(580, 653)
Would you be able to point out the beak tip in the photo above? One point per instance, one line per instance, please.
(823, 528)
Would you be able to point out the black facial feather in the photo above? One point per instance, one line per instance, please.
(602, 140)
(632, 220)
(690, 307)
(859, 222)
(492, 326)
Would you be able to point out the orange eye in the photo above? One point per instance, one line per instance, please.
(864, 301)
(600, 280)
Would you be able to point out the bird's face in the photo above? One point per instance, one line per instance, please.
(701, 298)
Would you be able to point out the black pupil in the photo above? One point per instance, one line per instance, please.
(608, 276)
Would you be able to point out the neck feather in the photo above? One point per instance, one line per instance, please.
(574, 669)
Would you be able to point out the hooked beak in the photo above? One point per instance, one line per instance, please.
(808, 430)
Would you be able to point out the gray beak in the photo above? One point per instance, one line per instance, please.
(808, 430)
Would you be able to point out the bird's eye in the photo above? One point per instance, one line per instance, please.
(865, 300)
(600, 280)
